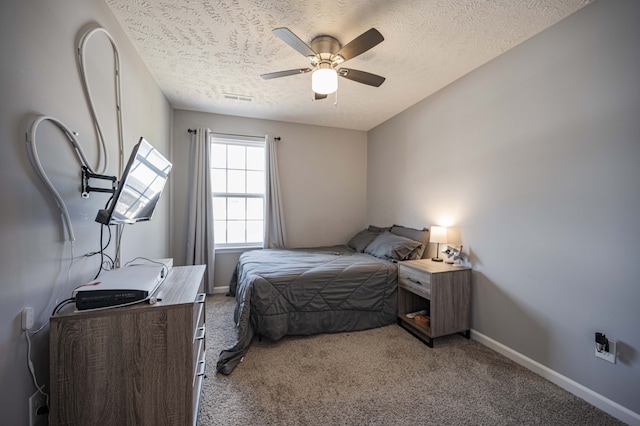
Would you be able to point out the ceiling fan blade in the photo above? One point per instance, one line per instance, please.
(294, 41)
(360, 44)
(319, 96)
(284, 73)
(361, 76)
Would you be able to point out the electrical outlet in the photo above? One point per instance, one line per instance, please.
(38, 410)
(608, 356)
(27, 318)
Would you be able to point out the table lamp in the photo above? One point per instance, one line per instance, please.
(438, 235)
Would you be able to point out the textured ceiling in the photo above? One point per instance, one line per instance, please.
(198, 50)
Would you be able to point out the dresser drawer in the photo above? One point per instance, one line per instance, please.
(197, 386)
(198, 346)
(416, 281)
(198, 310)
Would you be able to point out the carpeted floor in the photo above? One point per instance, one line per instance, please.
(383, 376)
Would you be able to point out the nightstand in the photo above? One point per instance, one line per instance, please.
(443, 291)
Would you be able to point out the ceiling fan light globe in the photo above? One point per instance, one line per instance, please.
(324, 81)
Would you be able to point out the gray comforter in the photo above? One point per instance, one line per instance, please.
(308, 291)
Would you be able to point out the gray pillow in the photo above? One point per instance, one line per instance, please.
(414, 234)
(392, 247)
(362, 239)
(377, 229)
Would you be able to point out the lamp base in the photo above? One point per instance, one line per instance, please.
(436, 259)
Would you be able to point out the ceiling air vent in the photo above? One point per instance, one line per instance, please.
(237, 97)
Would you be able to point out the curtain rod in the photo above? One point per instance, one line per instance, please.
(232, 134)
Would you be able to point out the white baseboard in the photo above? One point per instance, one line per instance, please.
(217, 290)
(593, 398)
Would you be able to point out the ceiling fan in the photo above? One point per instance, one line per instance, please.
(325, 55)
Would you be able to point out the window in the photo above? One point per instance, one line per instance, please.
(238, 184)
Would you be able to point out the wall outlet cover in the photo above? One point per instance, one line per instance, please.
(608, 356)
(38, 410)
(27, 318)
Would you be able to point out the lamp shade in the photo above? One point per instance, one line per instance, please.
(438, 234)
(324, 80)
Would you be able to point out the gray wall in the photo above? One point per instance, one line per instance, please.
(323, 173)
(534, 160)
(39, 75)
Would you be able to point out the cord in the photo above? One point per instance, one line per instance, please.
(85, 285)
(72, 136)
(165, 268)
(82, 45)
(37, 165)
(31, 368)
(59, 306)
(103, 254)
(101, 251)
(40, 329)
(144, 258)
(62, 304)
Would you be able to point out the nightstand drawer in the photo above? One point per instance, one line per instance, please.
(418, 282)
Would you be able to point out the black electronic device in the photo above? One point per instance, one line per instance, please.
(106, 298)
(123, 286)
(139, 190)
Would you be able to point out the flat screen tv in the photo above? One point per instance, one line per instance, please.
(140, 188)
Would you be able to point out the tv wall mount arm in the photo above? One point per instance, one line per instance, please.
(86, 188)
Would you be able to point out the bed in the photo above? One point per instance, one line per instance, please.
(332, 289)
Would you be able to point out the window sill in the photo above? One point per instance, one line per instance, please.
(235, 249)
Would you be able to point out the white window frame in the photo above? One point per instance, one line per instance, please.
(247, 141)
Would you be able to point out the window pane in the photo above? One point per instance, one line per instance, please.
(255, 208)
(218, 156)
(237, 181)
(235, 232)
(238, 169)
(254, 231)
(219, 210)
(255, 158)
(220, 231)
(236, 208)
(236, 156)
(219, 180)
(255, 182)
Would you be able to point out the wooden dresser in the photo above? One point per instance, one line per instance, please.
(135, 365)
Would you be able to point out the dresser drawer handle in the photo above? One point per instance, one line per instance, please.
(201, 333)
(201, 368)
(201, 297)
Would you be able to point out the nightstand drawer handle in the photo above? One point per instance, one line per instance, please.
(414, 281)
(201, 298)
